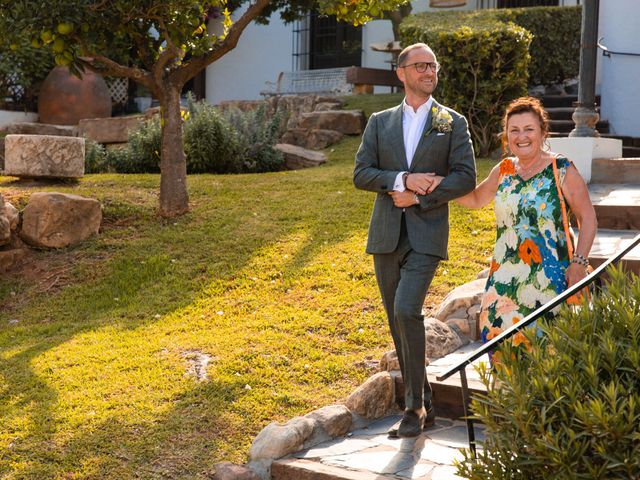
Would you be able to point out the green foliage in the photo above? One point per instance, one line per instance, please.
(483, 66)
(215, 142)
(571, 408)
(257, 135)
(555, 48)
(22, 70)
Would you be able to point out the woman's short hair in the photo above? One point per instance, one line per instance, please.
(524, 105)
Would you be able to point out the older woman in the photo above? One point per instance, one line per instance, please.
(531, 262)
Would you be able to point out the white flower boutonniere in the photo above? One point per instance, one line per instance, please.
(441, 120)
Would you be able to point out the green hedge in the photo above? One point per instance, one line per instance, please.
(555, 49)
(483, 67)
(569, 409)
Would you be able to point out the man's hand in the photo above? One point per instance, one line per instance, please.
(403, 199)
(434, 184)
(420, 182)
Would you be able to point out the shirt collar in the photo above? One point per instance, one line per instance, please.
(426, 106)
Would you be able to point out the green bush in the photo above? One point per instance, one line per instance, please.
(210, 143)
(257, 135)
(555, 48)
(569, 409)
(22, 70)
(214, 142)
(483, 67)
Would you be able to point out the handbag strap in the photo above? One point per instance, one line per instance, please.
(563, 208)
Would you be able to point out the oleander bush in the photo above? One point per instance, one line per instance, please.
(571, 408)
(484, 66)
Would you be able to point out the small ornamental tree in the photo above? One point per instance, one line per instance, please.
(160, 44)
(570, 409)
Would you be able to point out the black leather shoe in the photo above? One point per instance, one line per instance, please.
(411, 424)
(428, 421)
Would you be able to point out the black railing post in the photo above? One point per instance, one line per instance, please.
(466, 403)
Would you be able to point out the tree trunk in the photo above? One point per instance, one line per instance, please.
(174, 198)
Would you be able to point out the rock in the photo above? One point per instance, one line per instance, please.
(440, 338)
(462, 297)
(44, 156)
(296, 157)
(349, 122)
(1, 153)
(462, 324)
(389, 361)
(109, 130)
(277, 440)
(554, 89)
(9, 258)
(231, 471)
(483, 274)
(334, 419)
(374, 397)
(5, 224)
(324, 106)
(56, 220)
(315, 139)
(29, 128)
(12, 215)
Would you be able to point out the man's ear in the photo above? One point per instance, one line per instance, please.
(400, 74)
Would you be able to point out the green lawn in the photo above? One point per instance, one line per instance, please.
(267, 274)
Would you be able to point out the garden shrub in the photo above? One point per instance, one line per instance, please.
(483, 67)
(569, 409)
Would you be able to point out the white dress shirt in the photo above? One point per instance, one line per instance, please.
(412, 128)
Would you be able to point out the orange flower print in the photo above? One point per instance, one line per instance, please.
(507, 167)
(529, 252)
(493, 332)
(494, 267)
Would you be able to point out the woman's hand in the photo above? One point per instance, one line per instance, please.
(575, 272)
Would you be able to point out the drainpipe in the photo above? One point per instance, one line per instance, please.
(585, 116)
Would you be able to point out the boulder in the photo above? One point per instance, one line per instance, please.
(12, 215)
(109, 130)
(324, 106)
(462, 297)
(30, 128)
(296, 157)
(374, 397)
(5, 224)
(440, 338)
(315, 139)
(44, 156)
(348, 122)
(277, 440)
(335, 420)
(389, 361)
(57, 220)
(231, 471)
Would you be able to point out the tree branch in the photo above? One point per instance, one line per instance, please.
(192, 67)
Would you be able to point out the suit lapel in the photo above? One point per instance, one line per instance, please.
(428, 134)
(397, 136)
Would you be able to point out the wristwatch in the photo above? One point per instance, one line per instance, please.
(416, 199)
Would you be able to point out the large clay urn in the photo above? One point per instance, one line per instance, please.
(65, 99)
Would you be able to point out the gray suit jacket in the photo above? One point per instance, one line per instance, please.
(381, 157)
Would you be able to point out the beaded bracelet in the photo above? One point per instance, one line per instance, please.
(580, 260)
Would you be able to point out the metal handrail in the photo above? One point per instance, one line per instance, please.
(529, 319)
(607, 53)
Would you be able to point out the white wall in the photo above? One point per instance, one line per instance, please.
(263, 51)
(620, 74)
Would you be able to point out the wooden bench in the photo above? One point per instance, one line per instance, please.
(363, 79)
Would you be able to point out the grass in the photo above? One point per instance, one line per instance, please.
(267, 275)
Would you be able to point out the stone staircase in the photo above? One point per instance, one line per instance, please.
(560, 109)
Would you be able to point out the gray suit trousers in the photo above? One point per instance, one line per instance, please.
(404, 277)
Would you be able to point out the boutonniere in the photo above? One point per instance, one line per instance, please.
(441, 120)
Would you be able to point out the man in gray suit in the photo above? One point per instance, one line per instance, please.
(404, 150)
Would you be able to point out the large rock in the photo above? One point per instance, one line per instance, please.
(5, 224)
(296, 157)
(109, 130)
(462, 297)
(31, 128)
(389, 361)
(314, 139)
(44, 156)
(440, 338)
(374, 397)
(57, 220)
(277, 440)
(231, 471)
(349, 122)
(335, 420)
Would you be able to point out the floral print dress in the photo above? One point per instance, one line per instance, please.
(531, 255)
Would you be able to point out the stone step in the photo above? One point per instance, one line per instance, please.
(615, 170)
(565, 126)
(552, 101)
(617, 206)
(608, 242)
(630, 152)
(560, 113)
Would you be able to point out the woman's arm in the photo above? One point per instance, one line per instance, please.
(577, 194)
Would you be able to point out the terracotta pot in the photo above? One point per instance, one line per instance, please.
(65, 99)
